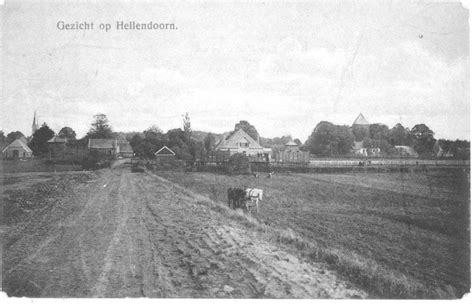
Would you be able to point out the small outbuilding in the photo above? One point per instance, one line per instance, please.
(165, 153)
(291, 154)
(107, 147)
(16, 150)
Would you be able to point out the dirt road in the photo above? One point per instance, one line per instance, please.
(126, 234)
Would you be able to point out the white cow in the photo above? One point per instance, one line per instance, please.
(252, 196)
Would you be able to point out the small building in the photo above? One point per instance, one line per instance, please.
(57, 147)
(358, 148)
(108, 147)
(241, 142)
(16, 150)
(165, 154)
(291, 154)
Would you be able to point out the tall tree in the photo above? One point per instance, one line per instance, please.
(39, 142)
(14, 136)
(379, 131)
(68, 133)
(328, 139)
(209, 142)
(423, 139)
(3, 138)
(400, 136)
(100, 128)
(179, 143)
(187, 125)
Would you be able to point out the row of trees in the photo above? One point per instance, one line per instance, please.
(328, 139)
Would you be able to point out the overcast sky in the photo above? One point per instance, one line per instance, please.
(282, 66)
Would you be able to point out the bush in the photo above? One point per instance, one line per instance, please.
(95, 161)
(238, 164)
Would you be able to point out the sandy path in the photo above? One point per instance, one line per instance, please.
(136, 234)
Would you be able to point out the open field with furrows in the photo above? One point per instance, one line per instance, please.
(118, 233)
(396, 235)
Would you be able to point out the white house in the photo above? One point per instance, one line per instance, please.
(241, 142)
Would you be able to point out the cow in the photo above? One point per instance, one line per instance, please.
(252, 196)
(235, 197)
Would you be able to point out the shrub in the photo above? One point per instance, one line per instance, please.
(238, 164)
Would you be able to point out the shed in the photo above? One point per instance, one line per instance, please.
(165, 153)
(292, 154)
(16, 150)
(104, 146)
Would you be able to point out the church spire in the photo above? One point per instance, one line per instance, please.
(34, 126)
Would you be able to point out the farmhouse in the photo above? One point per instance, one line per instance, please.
(241, 142)
(16, 150)
(165, 154)
(107, 147)
(291, 154)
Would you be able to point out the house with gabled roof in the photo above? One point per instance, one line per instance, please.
(107, 147)
(17, 149)
(241, 142)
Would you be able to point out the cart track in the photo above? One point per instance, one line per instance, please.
(139, 235)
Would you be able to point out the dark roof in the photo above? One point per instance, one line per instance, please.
(102, 143)
(165, 151)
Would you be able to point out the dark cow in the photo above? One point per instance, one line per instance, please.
(235, 197)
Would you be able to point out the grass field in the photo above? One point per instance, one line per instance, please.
(396, 235)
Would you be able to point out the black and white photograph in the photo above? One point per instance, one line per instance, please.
(236, 149)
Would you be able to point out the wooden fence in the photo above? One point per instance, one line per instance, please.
(291, 157)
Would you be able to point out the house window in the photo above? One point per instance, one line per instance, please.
(244, 144)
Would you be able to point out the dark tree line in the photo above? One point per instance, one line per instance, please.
(328, 139)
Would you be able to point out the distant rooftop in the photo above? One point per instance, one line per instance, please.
(291, 143)
(360, 120)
